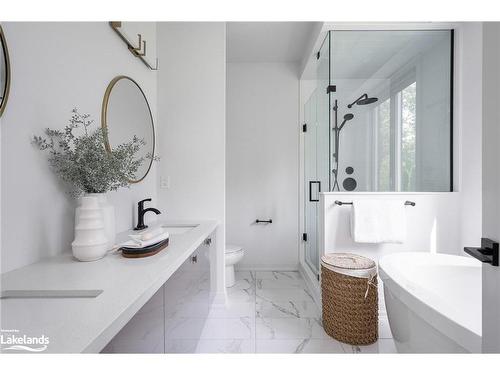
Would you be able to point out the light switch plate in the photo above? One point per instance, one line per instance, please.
(165, 182)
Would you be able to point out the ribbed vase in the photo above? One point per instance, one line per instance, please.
(90, 241)
(108, 216)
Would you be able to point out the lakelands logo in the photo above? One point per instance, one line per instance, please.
(11, 340)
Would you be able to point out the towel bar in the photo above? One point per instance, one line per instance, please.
(270, 221)
(407, 203)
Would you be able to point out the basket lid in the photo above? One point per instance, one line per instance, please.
(347, 261)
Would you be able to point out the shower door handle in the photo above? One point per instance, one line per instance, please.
(311, 183)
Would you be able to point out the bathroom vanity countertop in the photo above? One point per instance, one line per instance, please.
(75, 325)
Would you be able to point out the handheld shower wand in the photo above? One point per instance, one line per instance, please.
(336, 130)
(347, 117)
(362, 100)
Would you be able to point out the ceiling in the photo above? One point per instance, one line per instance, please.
(268, 41)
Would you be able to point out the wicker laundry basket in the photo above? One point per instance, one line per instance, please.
(350, 298)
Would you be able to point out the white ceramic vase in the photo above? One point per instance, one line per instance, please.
(90, 236)
(108, 216)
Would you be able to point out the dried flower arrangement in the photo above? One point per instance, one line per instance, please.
(82, 160)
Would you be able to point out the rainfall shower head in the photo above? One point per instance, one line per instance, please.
(367, 101)
(347, 117)
(363, 100)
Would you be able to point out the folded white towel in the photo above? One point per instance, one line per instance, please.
(139, 244)
(378, 221)
(148, 234)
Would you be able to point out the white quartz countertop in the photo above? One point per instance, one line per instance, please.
(75, 325)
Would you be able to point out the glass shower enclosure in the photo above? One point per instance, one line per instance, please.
(379, 119)
(316, 150)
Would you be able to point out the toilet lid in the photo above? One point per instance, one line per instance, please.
(232, 249)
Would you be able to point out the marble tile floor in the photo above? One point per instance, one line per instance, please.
(266, 312)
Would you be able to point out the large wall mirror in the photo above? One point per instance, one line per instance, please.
(125, 114)
(4, 72)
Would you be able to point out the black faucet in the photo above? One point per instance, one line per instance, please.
(140, 214)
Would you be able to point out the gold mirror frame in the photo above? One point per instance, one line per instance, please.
(104, 123)
(3, 103)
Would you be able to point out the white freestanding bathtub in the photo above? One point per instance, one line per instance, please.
(433, 302)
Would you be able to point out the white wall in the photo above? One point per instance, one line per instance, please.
(491, 182)
(262, 163)
(191, 138)
(432, 226)
(467, 131)
(55, 67)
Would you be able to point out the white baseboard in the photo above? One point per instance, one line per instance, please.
(312, 284)
(267, 267)
(218, 298)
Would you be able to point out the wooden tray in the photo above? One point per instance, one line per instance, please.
(129, 252)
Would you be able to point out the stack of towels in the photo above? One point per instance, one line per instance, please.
(149, 237)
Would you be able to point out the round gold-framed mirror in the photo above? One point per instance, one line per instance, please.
(4, 72)
(126, 113)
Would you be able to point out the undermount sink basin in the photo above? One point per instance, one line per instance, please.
(34, 293)
(179, 228)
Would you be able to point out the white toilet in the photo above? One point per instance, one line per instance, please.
(233, 255)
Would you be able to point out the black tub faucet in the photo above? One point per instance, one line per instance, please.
(141, 211)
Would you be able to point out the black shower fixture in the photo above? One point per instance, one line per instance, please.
(347, 117)
(363, 100)
(349, 183)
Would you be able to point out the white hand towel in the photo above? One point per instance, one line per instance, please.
(378, 221)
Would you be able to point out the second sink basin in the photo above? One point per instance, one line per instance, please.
(178, 228)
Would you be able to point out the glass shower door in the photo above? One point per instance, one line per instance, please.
(312, 186)
(316, 156)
